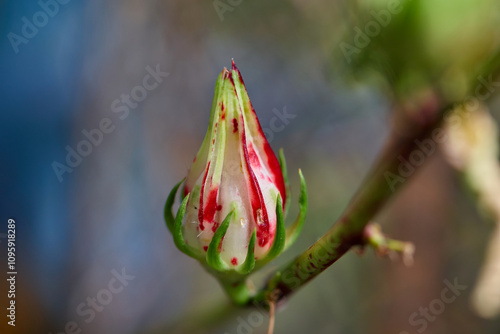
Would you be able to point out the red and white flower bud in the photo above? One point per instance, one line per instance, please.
(235, 169)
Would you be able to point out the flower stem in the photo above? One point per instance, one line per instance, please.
(238, 291)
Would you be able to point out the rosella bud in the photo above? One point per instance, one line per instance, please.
(235, 191)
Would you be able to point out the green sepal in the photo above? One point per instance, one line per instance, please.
(167, 212)
(177, 234)
(280, 234)
(249, 263)
(293, 231)
(284, 171)
(214, 259)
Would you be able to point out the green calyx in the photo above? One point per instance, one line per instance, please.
(233, 278)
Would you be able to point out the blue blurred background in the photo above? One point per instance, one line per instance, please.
(77, 227)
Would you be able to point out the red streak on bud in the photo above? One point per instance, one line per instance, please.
(253, 158)
(232, 82)
(274, 166)
(220, 245)
(258, 205)
(200, 212)
(235, 125)
(205, 248)
(234, 68)
(210, 208)
(234, 261)
(272, 161)
(208, 212)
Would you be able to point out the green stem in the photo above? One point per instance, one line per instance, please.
(239, 291)
(238, 287)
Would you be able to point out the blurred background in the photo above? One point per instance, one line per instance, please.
(143, 74)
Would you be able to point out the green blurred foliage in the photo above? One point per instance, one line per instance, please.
(417, 44)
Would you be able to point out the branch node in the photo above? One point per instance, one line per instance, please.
(384, 246)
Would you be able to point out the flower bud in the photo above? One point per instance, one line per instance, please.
(235, 191)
